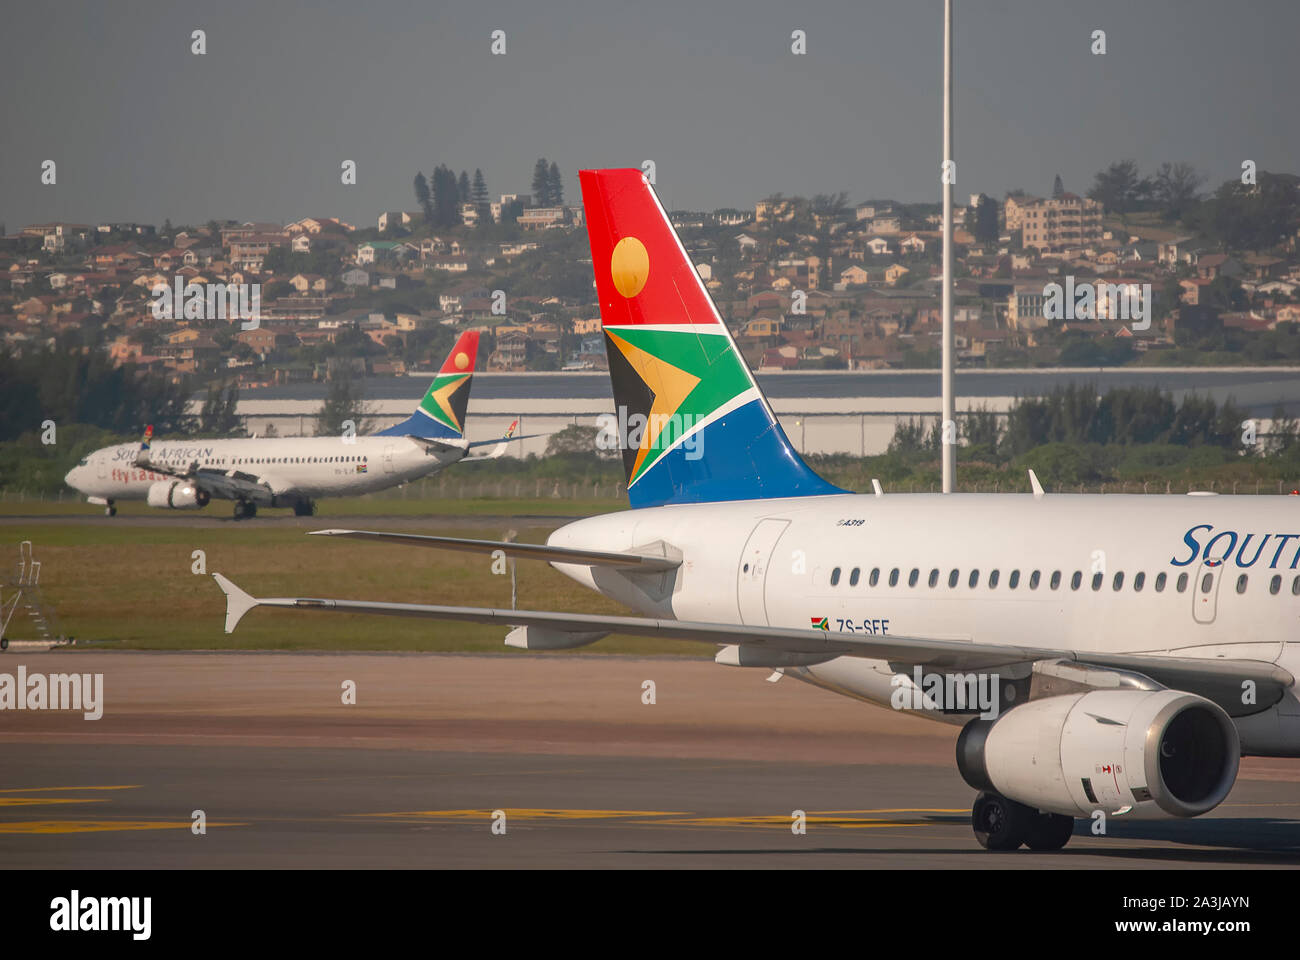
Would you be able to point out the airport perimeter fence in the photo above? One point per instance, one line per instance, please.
(445, 488)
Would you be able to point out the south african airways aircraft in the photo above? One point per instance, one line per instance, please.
(1115, 654)
(293, 471)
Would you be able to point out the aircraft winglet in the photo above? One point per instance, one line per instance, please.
(1033, 482)
(238, 602)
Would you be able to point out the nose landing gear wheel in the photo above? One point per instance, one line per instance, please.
(110, 510)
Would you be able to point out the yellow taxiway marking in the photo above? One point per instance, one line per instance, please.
(525, 814)
(121, 786)
(33, 801)
(98, 826)
(785, 821)
(825, 818)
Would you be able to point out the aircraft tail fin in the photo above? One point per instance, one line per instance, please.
(691, 421)
(441, 414)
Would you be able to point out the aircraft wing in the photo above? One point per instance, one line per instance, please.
(632, 562)
(1223, 678)
(236, 485)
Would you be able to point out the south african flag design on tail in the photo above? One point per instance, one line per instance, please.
(693, 425)
(441, 414)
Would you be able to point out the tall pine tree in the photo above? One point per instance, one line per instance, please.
(556, 183)
(541, 184)
(479, 196)
(423, 197)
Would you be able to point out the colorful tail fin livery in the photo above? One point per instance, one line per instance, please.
(693, 425)
(441, 414)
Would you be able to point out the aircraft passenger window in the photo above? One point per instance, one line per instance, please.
(1295, 587)
(893, 577)
(1241, 583)
(853, 576)
(1076, 580)
(1118, 582)
(1034, 579)
(1182, 582)
(835, 576)
(1139, 581)
(1161, 579)
(952, 578)
(913, 577)
(934, 577)
(875, 577)
(974, 580)
(1096, 580)
(1275, 584)
(1013, 581)
(1207, 582)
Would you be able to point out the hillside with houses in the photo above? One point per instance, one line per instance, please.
(803, 283)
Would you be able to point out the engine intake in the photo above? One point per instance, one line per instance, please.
(1161, 752)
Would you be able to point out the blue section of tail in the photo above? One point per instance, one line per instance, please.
(745, 455)
(420, 424)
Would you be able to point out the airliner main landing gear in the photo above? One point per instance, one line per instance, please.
(304, 508)
(110, 508)
(245, 510)
(1003, 824)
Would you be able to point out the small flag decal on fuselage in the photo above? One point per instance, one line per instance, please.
(821, 623)
(361, 468)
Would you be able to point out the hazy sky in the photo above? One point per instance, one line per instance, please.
(141, 129)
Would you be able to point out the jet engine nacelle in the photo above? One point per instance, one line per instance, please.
(177, 495)
(1159, 752)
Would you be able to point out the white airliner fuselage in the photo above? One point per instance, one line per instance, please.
(1188, 576)
(295, 467)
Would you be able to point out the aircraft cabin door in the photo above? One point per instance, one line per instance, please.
(388, 459)
(101, 467)
(1205, 590)
(751, 574)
